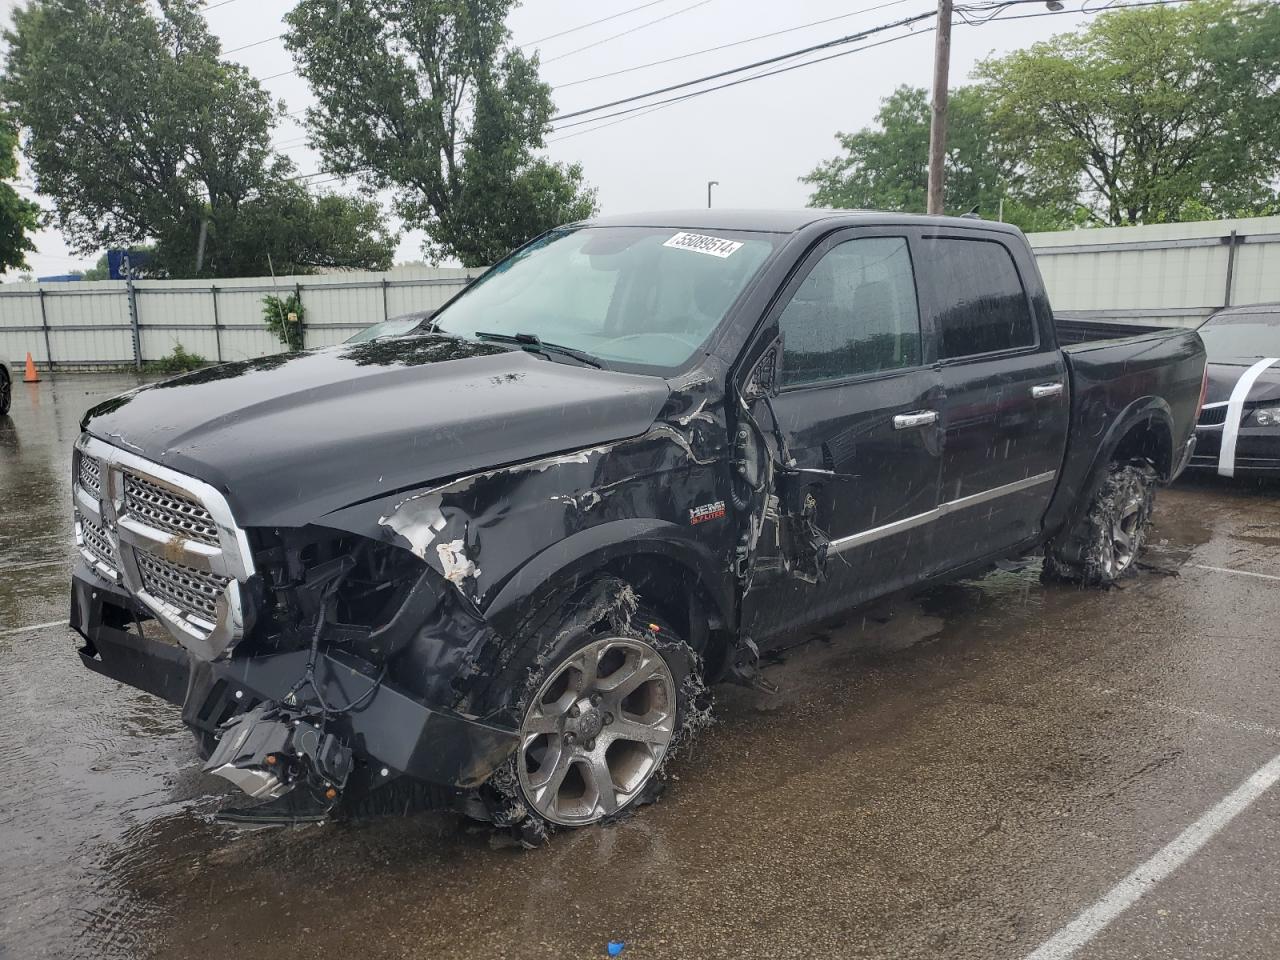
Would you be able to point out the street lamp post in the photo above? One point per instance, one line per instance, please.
(710, 184)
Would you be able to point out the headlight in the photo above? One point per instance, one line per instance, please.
(1266, 416)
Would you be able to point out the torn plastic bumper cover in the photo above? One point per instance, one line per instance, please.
(390, 729)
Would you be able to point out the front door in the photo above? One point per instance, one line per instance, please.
(859, 406)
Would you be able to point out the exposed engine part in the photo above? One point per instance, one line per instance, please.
(270, 750)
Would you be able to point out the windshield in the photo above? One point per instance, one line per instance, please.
(1241, 335)
(626, 295)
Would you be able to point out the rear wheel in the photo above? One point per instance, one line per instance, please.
(6, 393)
(1104, 545)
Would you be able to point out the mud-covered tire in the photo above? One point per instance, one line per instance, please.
(546, 679)
(6, 393)
(1104, 545)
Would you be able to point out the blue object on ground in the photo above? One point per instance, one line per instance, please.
(616, 947)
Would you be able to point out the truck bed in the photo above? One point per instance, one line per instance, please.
(1076, 328)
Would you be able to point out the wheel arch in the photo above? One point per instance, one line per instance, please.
(676, 574)
(1142, 431)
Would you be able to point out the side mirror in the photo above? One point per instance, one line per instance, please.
(766, 375)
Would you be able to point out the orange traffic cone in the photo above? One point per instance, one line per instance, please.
(31, 376)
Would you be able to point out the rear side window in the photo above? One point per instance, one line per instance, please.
(855, 313)
(984, 308)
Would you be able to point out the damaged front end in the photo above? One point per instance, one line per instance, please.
(329, 666)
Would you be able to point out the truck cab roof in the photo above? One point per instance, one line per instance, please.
(785, 221)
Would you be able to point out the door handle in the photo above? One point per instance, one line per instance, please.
(909, 421)
(1042, 391)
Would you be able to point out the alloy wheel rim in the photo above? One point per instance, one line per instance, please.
(597, 731)
(1124, 536)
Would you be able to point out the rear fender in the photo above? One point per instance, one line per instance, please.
(1079, 484)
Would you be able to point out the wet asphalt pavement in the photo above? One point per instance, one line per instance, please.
(958, 775)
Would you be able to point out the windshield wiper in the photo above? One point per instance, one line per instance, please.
(535, 344)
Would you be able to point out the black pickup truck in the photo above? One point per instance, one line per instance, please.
(496, 563)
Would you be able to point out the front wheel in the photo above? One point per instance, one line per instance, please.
(6, 393)
(604, 693)
(1104, 546)
(597, 730)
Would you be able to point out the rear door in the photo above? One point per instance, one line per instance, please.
(858, 398)
(1006, 411)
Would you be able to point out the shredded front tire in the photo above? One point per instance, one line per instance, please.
(609, 692)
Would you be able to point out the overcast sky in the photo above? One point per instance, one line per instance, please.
(756, 138)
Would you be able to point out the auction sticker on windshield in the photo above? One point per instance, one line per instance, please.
(700, 243)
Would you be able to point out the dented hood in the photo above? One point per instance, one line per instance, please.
(292, 437)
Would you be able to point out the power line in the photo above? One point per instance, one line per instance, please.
(583, 26)
(851, 38)
(256, 43)
(759, 76)
(641, 26)
(215, 6)
(632, 113)
(637, 112)
(726, 46)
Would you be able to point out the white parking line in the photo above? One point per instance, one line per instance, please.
(1128, 891)
(33, 628)
(1243, 573)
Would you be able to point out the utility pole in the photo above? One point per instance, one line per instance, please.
(938, 124)
(710, 184)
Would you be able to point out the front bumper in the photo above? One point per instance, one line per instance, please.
(1257, 450)
(390, 730)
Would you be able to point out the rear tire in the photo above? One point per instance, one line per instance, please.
(6, 393)
(1103, 547)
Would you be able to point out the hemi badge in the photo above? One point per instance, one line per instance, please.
(708, 511)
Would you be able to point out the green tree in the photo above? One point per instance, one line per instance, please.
(886, 166)
(18, 217)
(140, 133)
(429, 98)
(1157, 114)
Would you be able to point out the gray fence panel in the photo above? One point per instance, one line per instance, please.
(1175, 274)
(88, 323)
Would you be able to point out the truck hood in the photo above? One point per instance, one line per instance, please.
(290, 438)
(1225, 374)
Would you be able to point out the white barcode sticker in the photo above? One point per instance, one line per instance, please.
(701, 243)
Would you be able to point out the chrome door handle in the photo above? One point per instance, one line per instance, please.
(1043, 390)
(908, 421)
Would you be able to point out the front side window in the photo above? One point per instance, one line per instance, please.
(984, 309)
(640, 296)
(855, 313)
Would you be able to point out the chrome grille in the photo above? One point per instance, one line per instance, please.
(90, 475)
(166, 510)
(169, 539)
(95, 543)
(193, 592)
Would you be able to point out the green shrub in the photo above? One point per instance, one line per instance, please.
(180, 361)
(284, 317)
